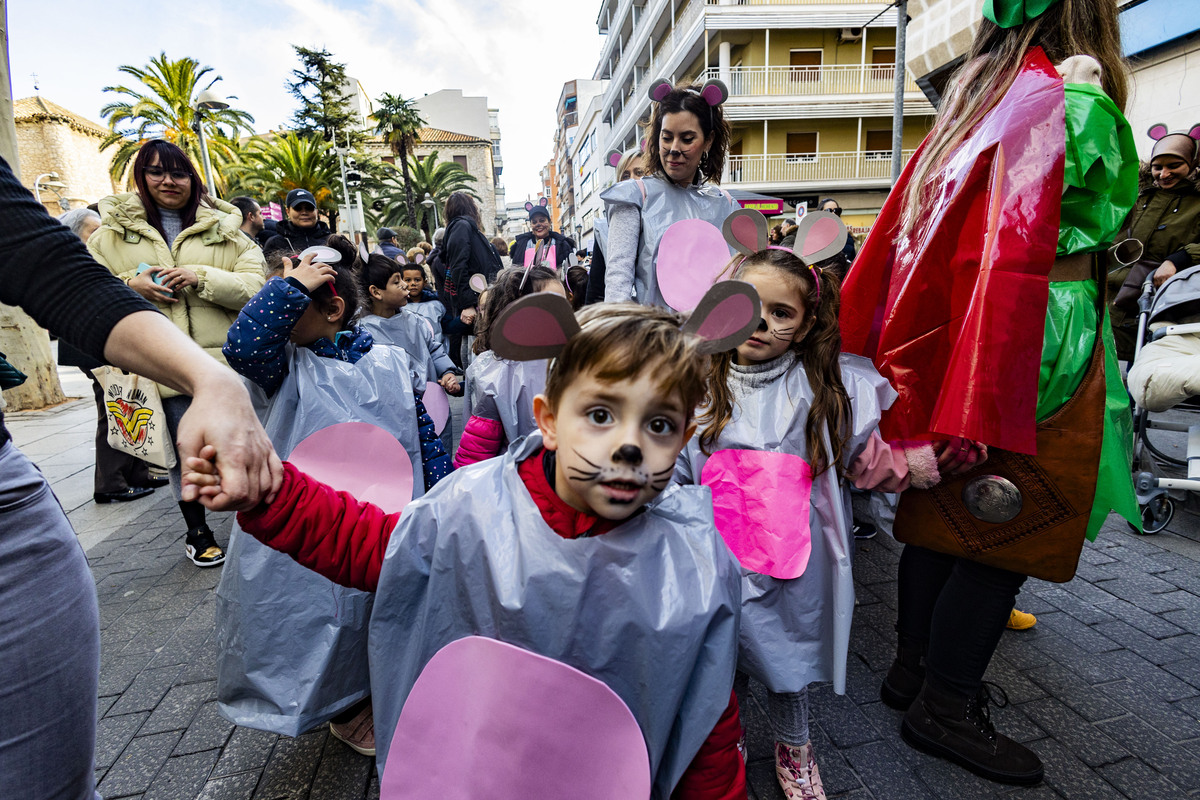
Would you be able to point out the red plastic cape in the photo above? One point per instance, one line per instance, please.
(953, 315)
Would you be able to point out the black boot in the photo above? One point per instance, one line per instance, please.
(907, 673)
(959, 728)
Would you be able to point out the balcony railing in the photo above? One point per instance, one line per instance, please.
(636, 103)
(839, 79)
(801, 168)
(793, 2)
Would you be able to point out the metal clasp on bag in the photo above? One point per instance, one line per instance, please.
(991, 498)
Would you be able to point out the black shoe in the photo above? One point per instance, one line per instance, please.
(864, 530)
(202, 548)
(132, 493)
(155, 482)
(905, 677)
(960, 729)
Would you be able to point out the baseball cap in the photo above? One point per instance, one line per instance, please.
(383, 234)
(297, 196)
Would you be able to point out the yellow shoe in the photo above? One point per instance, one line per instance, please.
(1020, 621)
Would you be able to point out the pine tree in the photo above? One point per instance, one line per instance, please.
(319, 86)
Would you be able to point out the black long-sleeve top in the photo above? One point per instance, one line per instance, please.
(47, 271)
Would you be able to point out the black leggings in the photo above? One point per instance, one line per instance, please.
(959, 608)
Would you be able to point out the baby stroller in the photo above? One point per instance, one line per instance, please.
(1165, 375)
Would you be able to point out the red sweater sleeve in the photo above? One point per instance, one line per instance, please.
(328, 531)
(718, 771)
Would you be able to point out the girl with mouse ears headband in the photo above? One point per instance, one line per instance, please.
(686, 146)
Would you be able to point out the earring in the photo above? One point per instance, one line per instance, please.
(704, 157)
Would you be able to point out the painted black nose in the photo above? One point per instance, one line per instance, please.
(762, 325)
(628, 453)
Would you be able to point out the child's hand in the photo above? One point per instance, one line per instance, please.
(450, 383)
(313, 276)
(202, 472)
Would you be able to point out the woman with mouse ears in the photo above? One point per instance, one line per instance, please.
(685, 154)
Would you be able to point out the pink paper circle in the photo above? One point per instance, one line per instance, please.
(437, 404)
(533, 327)
(761, 506)
(359, 458)
(487, 719)
(691, 257)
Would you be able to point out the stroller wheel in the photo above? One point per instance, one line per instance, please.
(1156, 514)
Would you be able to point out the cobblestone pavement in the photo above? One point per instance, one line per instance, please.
(1106, 687)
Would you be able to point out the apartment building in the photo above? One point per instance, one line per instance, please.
(575, 95)
(811, 89)
(591, 175)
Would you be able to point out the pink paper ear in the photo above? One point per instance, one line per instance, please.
(401, 260)
(1194, 131)
(535, 327)
(614, 158)
(544, 202)
(692, 254)
(746, 231)
(528, 206)
(820, 235)
(726, 316)
(363, 253)
(437, 405)
(487, 719)
(642, 144)
(478, 283)
(359, 458)
(659, 91)
(715, 92)
(419, 258)
(1157, 131)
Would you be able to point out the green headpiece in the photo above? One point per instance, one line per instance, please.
(1011, 13)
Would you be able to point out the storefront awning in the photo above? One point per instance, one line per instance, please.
(769, 206)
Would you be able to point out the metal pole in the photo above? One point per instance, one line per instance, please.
(208, 176)
(898, 103)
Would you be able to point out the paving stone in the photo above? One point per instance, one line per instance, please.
(152, 636)
(1086, 612)
(208, 731)
(1085, 741)
(1016, 685)
(149, 687)
(1069, 776)
(183, 776)
(1154, 650)
(1065, 685)
(289, 770)
(118, 672)
(230, 787)
(104, 704)
(176, 711)
(877, 765)
(113, 735)
(1136, 779)
(1148, 676)
(137, 767)
(342, 774)
(1164, 716)
(839, 716)
(836, 773)
(1151, 746)
(246, 750)
(1078, 633)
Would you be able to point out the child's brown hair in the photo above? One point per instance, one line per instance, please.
(619, 341)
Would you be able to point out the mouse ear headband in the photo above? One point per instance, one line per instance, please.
(713, 93)
(538, 326)
(819, 235)
(1167, 142)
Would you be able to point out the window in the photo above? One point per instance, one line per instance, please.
(879, 144)
(389, 160)
(883, 64)
(461, 161)
(585, 185)
(805, 65)
(802, 147)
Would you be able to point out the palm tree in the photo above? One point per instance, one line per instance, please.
(272, 167)
(166, 112)
(397, 200)
(397, 121)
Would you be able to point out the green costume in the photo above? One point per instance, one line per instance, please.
(1099, 188)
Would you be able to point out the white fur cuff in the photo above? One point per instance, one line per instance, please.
(922, 466)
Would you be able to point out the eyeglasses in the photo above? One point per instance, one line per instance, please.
(158, 173)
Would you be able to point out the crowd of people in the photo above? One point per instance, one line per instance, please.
(644, 417)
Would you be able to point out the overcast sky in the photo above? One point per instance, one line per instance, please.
(517, 54)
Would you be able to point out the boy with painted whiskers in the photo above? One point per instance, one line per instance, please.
(572, 545)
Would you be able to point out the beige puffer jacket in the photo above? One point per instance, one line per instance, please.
(228, 264)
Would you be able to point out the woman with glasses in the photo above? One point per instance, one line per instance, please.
(181, 249)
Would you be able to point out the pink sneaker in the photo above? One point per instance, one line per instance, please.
(359, 732)
(796, 771)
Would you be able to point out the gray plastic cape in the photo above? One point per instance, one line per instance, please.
(797, 631)
(649, 608)
(503, 390)
(292, 645)
(412, 332)
(664, 204)
(432, 310)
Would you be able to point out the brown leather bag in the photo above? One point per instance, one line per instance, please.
(1057, 488)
